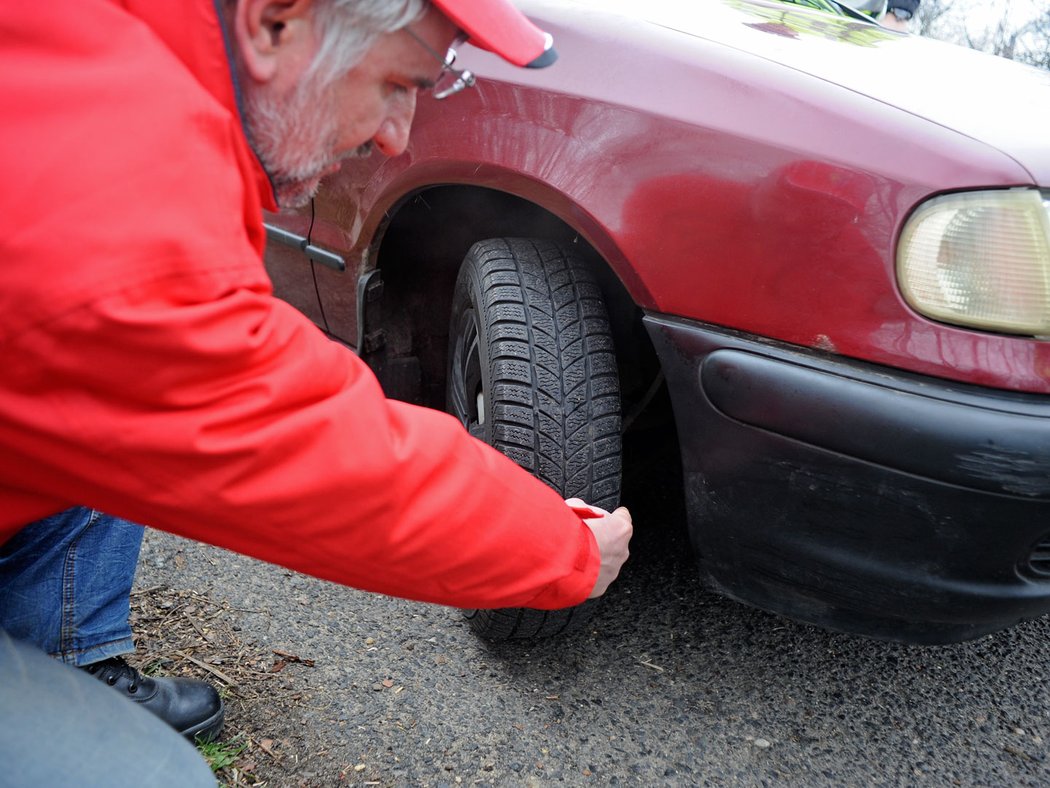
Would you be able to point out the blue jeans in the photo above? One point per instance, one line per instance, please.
(65, 585)
(61, 726)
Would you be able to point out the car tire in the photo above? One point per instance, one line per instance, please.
(532, 372)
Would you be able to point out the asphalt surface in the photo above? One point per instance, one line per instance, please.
(670, 685)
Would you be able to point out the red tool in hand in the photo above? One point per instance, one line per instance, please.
(585, 512)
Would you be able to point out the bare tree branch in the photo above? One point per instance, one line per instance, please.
(1009, 35)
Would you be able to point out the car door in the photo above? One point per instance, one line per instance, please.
(290, 261)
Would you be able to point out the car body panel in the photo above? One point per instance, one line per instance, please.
(286, 262)
(734, 144)
(940, 82)
(745, 185)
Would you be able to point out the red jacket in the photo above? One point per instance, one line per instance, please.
(148, 371)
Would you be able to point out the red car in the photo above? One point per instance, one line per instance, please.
(828, 240)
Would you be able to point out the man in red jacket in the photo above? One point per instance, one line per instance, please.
(150, 374)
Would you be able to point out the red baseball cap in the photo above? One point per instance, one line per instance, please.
(496, 25)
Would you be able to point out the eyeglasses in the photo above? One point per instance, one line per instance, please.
(451, 80)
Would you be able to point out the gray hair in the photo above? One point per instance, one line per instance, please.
(348, 28)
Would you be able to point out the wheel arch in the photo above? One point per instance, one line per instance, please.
(418, 255)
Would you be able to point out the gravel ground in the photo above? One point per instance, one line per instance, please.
(670, 685)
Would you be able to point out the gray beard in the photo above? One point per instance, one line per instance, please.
(294, 137)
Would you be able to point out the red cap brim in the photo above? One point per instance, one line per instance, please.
(496, 25)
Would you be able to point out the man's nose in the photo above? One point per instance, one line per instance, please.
(392, 136)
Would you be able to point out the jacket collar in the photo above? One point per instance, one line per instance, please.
(195, 32)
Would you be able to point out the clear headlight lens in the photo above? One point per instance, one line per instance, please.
(980, 259)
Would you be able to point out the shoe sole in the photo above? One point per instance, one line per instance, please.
(207, 730)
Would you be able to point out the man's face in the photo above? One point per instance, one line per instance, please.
(303, 127)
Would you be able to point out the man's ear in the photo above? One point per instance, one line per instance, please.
(273, 36)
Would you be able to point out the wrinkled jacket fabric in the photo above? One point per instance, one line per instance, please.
(149, 372)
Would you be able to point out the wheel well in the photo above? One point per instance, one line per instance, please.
(418, 259)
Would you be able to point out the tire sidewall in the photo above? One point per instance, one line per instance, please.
(469, 296)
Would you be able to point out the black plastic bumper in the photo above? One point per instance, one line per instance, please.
(857, 497)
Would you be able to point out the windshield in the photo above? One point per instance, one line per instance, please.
(660, 10)
(820, 5)
(867, 9)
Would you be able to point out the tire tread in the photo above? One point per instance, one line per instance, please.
(553, 394)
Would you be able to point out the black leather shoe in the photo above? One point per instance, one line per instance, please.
(191, 707)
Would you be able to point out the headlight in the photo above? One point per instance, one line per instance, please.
(980, 259)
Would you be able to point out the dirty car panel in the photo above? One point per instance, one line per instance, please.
(738, 175)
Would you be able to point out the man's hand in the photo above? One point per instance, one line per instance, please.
(613, 533)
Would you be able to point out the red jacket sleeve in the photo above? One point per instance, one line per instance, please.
(149, 372)
(236, 422)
